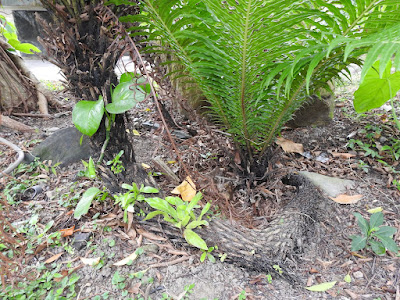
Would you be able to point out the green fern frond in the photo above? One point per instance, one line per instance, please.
(257, 61)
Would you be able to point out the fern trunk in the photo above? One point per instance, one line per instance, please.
(261, 249)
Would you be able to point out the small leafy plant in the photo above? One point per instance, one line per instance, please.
(90, 169)
(373, 235)
(128, 199)
(9, 32)
(116, 163)
(181, 214)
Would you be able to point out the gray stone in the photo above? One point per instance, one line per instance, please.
(80, 240)
(317, 111)
(330, 185)
(181, 134)
(28, 29)
(64, 146)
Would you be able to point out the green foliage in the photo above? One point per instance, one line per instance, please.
(9, 32)
(181, 214)
(128, 199)
(87, 115)
(44, 286)
(116, 163)
(374, 235)
(256, 61)
(376, 89)
(207, 254)
(85, 202)
(90, 169)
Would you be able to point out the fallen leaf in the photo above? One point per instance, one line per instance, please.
(342, 155)
(90, 261)
(135, 288)
(186, 189)
(63, 274)
(53, 258)
(41, 247)
(135, 132)
(127, 260)
(171, 162)
(346, 199)
(237, 159)
(68, 231)
(145, 166)
(375, 210)
(149, 235)
(352, 294)
(289, 146)
(321, 287)
(313, 271)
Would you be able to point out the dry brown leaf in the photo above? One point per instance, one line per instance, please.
(53, 258)
(346, 199)
(126, 260)
(90, 261)
(135, 288)
(68, 231)
(342, 155)
(41, 247)
(64, 273)
(186, 189)
(289, 146)
(150, 235)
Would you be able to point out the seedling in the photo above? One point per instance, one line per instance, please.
(116, 163)
(374, 235)
(128, 199)
(180, 213)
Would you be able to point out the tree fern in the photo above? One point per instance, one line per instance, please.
(257, 60)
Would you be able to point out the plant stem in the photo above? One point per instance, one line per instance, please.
(106, 141)
(396, 120)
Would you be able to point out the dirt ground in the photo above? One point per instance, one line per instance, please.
(162, 269)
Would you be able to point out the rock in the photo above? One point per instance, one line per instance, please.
(27, 27)
(81, 239)
(151, 125)
(317, 111)
(358, 275)
(64, 146)
(181, 134)
(330, 185)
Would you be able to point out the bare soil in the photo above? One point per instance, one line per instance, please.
(210, 157)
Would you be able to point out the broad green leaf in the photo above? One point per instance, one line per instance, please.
(161, 204)
(347, 278)
(126, 186)
(23, 47)
(376, 220)
(377, 247)
(211, 258)
(194, 201)
(389, 243)
(195, 224)
(194, 239)
(204, 211)
(153, 214)
(87, 116)
(386, 231)
(124, 97)
(149, 190)
(375, 91)
(85, 202)
(185, 220)
(362, 223)
(358, 243)
(128, 77)
(321, 287)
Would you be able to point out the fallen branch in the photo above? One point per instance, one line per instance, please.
(10, 123)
